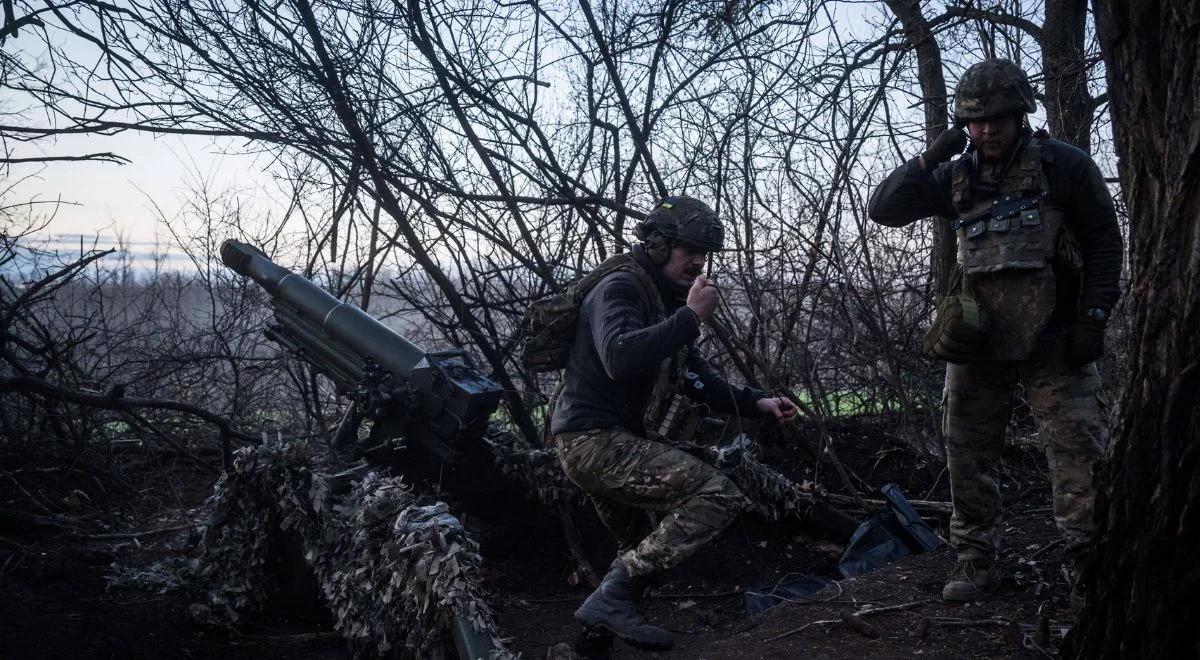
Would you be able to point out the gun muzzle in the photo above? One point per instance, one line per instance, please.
(296, 298)
(340, 339)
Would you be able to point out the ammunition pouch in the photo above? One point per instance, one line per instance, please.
(960, 330)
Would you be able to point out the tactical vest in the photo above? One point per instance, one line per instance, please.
(663, 404)
(1007, 261)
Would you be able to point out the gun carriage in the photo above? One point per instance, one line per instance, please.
(428, 412)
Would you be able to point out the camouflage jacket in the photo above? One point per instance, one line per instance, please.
(621, 342)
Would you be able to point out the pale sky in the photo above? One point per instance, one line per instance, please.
(114, 198)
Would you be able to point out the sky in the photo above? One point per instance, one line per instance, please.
(110, 200)
(129, 202)
(102, 198)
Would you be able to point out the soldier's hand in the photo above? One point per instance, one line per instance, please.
(779, 407)
(702, 298)
(1085, 344)
(951, 142)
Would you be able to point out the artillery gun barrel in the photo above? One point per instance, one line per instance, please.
(431, 395)
(343, 322)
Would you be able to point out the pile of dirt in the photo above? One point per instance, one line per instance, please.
(704, 603)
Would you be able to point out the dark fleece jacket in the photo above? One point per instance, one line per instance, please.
(620, 341)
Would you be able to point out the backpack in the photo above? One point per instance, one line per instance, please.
(548, 326)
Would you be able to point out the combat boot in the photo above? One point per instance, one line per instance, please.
(611, 607)
(969, 581)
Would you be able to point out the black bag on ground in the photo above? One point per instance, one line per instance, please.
(887, 536)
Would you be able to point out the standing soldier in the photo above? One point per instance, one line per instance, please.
(632, 353)
(1039, 263)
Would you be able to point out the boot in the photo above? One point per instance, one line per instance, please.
(611, 607)
(969, 580)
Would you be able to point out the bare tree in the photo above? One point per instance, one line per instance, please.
(1142, 583)
(450, 161)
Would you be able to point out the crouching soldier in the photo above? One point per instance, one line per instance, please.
(1039, 264)
(632, 353)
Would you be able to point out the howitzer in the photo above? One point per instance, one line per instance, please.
(434, 400)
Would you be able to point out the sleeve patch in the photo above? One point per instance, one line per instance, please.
(622, 291)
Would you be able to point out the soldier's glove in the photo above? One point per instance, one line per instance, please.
(951, 142)
(1086, 342)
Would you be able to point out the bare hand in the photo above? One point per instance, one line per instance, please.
(782, 409)
(702, 298)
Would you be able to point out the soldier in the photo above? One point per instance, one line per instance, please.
(632, 354)
(1040, 257)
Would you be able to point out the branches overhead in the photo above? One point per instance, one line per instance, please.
(996, 17)
(470, 156)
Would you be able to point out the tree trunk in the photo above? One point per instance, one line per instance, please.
(1068, 103)
(933, 89)
(1144, 584)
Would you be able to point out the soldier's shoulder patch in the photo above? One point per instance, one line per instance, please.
(623, 288)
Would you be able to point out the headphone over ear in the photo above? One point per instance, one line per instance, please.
(657, 232)
(657, 247)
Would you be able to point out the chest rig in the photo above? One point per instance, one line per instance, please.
(662, 405)
(1008, 238)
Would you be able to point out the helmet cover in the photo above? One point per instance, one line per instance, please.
(992, 88)
(684, 219)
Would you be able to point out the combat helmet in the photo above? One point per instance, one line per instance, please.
(679, 219)
(992, 88)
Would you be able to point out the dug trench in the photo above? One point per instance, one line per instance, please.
(84, 551)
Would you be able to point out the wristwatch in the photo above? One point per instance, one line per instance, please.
(1097, 314)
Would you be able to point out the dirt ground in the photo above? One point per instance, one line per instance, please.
(65, 526)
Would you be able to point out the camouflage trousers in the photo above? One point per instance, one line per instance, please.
(626, 475)
(1071, 429)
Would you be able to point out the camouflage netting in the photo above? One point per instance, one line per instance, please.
(772, 495)
(538, 470)
(395, 575)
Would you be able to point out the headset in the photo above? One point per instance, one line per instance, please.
(658, 232)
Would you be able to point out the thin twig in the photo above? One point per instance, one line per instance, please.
(53, 520)
(860, 613)
(28, 495)
(133, 535)
(12, 544)
(952, 622)
(575, 546)
(1053, 544)
(713, 594)
(804, 627)
(891, 608)
(26, 385)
